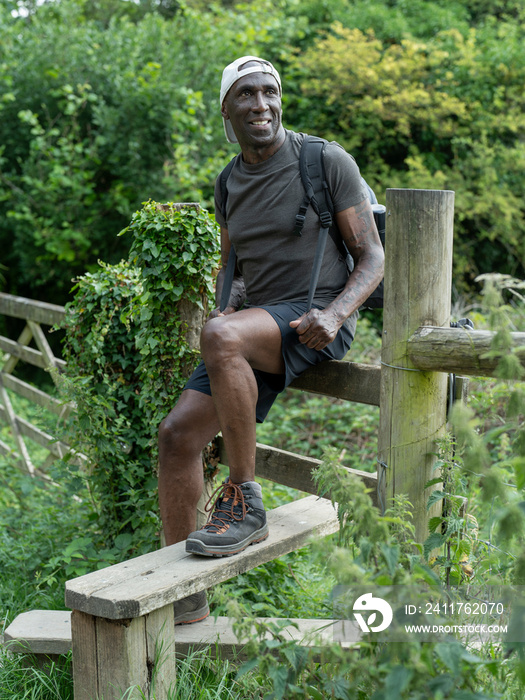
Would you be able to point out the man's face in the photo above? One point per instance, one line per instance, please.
(253, 105)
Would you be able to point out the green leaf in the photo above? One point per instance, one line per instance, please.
(450, 654)
(247, 666)
(433, 482)
(435, 522)
(397, 682)
(435, 497)
(391, 557)
(434, 541)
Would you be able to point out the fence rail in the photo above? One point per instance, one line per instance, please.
(31, 347)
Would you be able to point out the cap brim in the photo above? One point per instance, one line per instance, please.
(228, 130)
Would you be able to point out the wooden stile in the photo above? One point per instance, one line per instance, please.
(122, 619)
(122, 622)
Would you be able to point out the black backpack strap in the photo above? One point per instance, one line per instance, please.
(223, 184)
(311, 167)
(316, 192)
(232, 257)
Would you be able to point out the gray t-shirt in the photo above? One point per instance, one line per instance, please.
(263, 200)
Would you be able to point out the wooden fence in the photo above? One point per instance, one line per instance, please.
(31, 347)
(418, 350)
(344, 380)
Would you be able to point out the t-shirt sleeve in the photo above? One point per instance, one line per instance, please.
(344, 179)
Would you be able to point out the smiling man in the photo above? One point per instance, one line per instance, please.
(265, 336)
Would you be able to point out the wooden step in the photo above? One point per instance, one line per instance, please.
(48, 632)
(139, 586)
(40, 632)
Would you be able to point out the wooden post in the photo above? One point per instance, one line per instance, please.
(111, 656)
(417, 293)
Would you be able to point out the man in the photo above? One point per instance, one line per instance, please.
(252, 353)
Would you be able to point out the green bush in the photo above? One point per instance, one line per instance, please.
(130, 345)
(104, 105)
(444, 112)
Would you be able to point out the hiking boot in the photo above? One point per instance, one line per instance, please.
(193, 608)
(237, 519)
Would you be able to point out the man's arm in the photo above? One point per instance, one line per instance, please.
(317, 328)
(238, 292)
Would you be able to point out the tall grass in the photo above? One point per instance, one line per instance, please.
(22, 679)
(200, 676)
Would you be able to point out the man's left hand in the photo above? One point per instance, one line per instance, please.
(316, 328)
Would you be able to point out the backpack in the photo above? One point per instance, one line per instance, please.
(311, 167)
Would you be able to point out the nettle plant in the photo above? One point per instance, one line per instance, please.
(131, 341)
(370, 550)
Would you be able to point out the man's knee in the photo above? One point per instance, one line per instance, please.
(189, 427)
(170, 431)
(219, 340)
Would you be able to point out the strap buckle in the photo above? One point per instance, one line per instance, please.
(326, 219)
(299, 223)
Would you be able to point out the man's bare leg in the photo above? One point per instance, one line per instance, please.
(183, 434)
(232, 346)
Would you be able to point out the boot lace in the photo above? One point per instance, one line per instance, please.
(228, 507)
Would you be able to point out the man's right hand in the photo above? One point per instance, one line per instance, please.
(217, 312)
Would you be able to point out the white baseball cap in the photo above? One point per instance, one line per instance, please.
(234, 72)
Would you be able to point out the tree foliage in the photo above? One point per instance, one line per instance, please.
(446, 113)
(104, 105)
(98, 117)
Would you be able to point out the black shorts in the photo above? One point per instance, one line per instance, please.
(297, 357)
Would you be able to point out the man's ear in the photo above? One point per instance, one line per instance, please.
(224, 111)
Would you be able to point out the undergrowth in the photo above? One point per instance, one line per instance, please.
(48, 536)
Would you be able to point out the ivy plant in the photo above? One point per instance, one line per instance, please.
(131, 341)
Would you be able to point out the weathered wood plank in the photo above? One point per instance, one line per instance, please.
(42, 438)
(49, 632)
(111, 656)
(37, 396)
(5, 449)
(55, 447)
(33, 357)
(44, 347)
(218, 634)
(24, 338)
(138, 586)
(351, 381)
(161, 652)
(458, 350)
(121, 657)
(293, 470)
(7, 410)
(40, 632)
(84, 645)
(38, 311)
